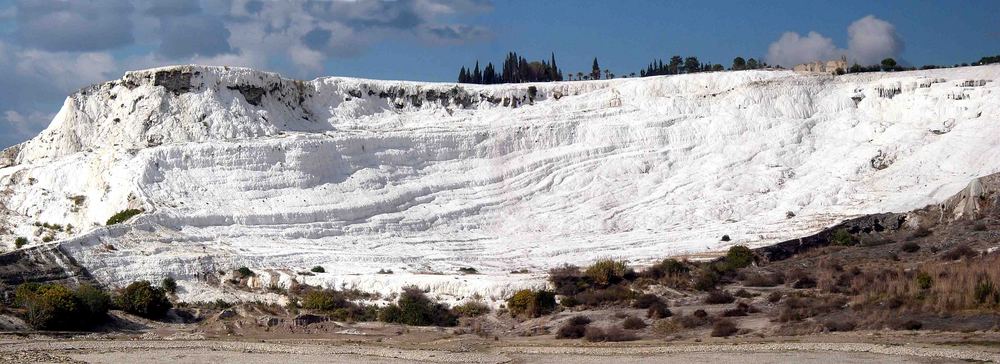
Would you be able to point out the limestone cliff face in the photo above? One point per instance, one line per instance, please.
(237, 167)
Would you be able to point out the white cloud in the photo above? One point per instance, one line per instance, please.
(792, 49)
(870, 40)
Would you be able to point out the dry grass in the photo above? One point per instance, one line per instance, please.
(970, 284)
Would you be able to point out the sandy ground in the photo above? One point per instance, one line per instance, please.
(212, 351)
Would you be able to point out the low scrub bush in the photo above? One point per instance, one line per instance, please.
(738, 257)
(666, 327)
(143, 299)
(471, 309)
(839, 325)
(719, 297)
(20, 242)
(910, 247)
(614, 295)
(646, 300)
(724, 328)
(414, 308)
(122, 216)
(842, 237)
(959, 252)
(633, 323)
(607, 272)
(531, 303)
(326, 300)
(611, 334)
(692, 320)
(924, 280)
(245, 272)
(574, 328)
(762, 279)
(706, 280)
(920, 232)
(804, 282)
(318, 269)
(659, 310)
(468, 270)
(567, 280)
(56, 307)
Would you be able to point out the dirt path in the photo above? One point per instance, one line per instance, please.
(208, 351)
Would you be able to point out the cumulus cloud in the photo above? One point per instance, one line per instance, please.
(792, 49)
(52, 47)
(870, 40)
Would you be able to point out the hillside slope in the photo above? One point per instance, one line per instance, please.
(237, 167)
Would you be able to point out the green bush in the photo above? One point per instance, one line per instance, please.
(143, 299)
(318, 269)
(414, 308)
(531, 303)
(739, 257)
(169, 285)
(468, 270)
(245, 272)
(606, 272)
(842, 237)
(324, 300)
(56, 307)
(123, 216)
(20, 242)
(924, 280)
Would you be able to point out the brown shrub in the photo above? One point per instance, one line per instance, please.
(658, 311)
(614, 295)
(646, 300)
(691, 321)
(574, 328)
(594, 334)
(633, 323)
(719, 297)
(959, 252)
(617, 334)
(839, 325)
(666, 327)
(724, 328)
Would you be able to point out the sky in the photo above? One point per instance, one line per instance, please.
(49, 49)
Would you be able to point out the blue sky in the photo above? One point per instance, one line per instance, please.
(48, 49)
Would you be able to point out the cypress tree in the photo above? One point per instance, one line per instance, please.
(595, 71)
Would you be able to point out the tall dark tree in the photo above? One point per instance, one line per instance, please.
(463, 76)
(691, 65)
(595, 70)
(752, 64)
(477, 75)
(739, 64)
(676, 62)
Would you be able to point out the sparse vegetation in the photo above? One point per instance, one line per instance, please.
(123, 216)
(318, 269)
(719, 297)
(468, 270)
